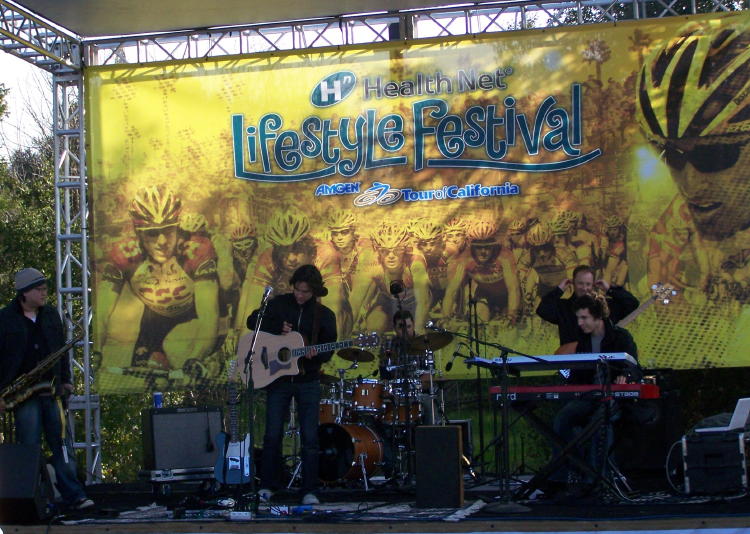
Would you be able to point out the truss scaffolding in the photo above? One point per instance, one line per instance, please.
(52, 48)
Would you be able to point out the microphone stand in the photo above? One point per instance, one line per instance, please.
(474, 324)
(396, 289)
(504, 503)
(250, 387)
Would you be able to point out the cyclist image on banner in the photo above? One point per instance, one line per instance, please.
(399, 263)
(158, 295)
(291, 246)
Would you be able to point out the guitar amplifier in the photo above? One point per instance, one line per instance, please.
(180, 437)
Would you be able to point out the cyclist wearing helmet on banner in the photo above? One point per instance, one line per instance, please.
(398, 263)
(693, 106)
(428, 236)
(291, 246)
(614, 254)
(158, 296)
(492, 270)
(545, 266)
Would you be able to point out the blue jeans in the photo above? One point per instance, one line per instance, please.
(571, 419)
(42, 412)
(307, 398)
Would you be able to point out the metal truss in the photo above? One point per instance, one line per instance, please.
(71, 255)
(36, 41)
(476, 18)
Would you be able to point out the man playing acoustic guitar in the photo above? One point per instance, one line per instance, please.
(298, 311)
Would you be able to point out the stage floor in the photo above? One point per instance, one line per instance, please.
(134, 508)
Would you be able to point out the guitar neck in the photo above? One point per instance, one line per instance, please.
(635, 313)
(323, 347)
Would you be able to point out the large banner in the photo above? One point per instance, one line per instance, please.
(474, 173)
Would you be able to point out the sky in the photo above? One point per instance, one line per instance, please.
(30, 95)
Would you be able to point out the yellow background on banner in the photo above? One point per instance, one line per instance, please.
(176, 277)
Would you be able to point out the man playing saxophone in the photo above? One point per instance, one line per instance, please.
(30, 329)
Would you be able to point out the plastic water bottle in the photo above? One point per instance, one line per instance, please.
(158, 399)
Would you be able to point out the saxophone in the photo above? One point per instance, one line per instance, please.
(26, 385)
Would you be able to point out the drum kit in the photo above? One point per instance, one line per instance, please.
(369, 423)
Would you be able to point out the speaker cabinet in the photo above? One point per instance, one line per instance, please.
(24, 484)
(440, 482)
(181, 437)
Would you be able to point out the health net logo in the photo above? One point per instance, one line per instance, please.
(333, 89)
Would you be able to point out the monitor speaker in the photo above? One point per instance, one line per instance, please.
(181, 437)
(24, 484)
(440, 481)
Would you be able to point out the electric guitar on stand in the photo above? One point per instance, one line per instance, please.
(233, 465)
(277, 356)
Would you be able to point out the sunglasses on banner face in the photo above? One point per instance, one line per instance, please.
(704, 158)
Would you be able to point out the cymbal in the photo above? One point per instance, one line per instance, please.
(327, 379)
(356, 355)
(430, 341)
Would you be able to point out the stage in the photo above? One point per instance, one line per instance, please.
(189, 508)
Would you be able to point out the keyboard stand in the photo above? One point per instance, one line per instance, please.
(568, 451)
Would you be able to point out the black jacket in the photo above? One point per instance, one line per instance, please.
(557, 310)
(615, 339)
(13, 342)
(285, 308)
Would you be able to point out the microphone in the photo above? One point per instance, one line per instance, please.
(267, 293)
(397, 287)
(430, 325)
(449, 365)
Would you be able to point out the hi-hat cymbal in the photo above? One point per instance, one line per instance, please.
(430, 341)
(356, 355)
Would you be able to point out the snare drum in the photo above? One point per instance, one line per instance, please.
(344, 449)
(367, 396)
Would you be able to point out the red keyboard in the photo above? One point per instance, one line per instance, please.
(576, 391)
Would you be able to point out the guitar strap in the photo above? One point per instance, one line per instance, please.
(316, 323)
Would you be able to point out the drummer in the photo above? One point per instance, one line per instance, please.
(403, 325)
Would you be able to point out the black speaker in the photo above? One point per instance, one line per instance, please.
(24, 484)
(181, 437)
(440, 482)
(645, 434)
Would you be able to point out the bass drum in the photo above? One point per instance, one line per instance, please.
(342, 446)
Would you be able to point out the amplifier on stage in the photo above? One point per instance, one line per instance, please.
(180, 437)
(715, 462)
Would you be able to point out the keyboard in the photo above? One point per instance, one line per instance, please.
(555, 362)
(576, 391)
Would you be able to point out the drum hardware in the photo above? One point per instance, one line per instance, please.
(362, 457)
(292, 431)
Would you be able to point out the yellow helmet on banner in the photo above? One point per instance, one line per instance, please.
(340, 219)
(389, 235)
(539, 235)
(287, 227)
(155, 207)
(697, 84)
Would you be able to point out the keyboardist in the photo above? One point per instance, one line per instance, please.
(597, 334)
(557, 310)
